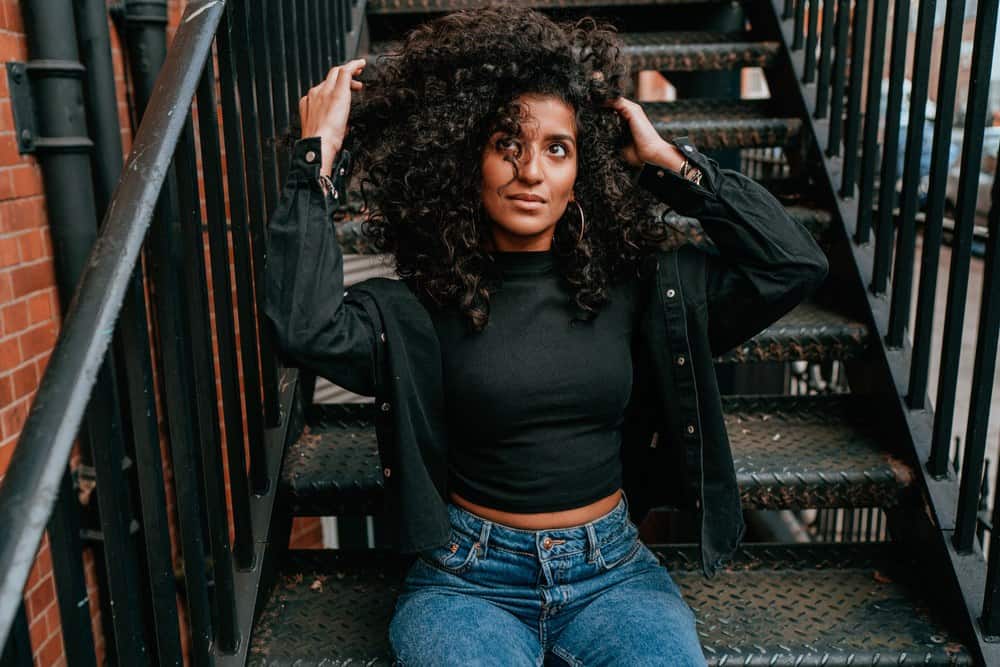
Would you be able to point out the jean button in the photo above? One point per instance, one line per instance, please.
(547, 542)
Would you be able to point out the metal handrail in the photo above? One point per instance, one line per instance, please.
(29, 490)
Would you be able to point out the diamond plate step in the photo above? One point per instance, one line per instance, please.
(829, 604)
(676, 51)
(809, 332)
(713, 124)
(788, 451)
(410, 6)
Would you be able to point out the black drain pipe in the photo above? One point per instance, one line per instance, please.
(63, 149)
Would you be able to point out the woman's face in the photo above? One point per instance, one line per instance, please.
(524, 209)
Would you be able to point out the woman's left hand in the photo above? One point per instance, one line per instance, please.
(647, 145)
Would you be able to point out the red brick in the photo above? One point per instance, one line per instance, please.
(12, 14)
(9, 255)
(31, 245)
(12, 419)
(10, 354)
(6, 185)
(50, 651)
(14, 317)
(31, 278)
(6, 451)
(6, 393)
(38, 340)
(8, 150)
(6, 113)
(25, 381)
(27, 180)
(40, 308)
(6, 291)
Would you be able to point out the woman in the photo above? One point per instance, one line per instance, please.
(543, 369)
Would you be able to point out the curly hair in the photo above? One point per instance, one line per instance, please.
(419, 128)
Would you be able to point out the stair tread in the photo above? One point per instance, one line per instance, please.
(809, 332)
(713, 124)
(827, 454)
(408, 6)
(829, 604)
(686, 51)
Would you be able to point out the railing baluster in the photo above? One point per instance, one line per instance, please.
(256, 204)
(71, 588)
(189, 472)
(291, 54)
(930, 251)
(798, 33)
(839, 79)
(809, 69)
(958, 284)
(788, 9)
(326, 34)
(890, 149)
(259, 60)
(859, 39)
(241, 260)
(902, 279)
(224, 619)
(316, 39)
(825, 49)
(869, 151)
(280, 95)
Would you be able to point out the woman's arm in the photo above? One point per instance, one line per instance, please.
(767, 262)
(304, 298)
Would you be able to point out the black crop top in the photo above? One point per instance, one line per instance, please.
(535, 400)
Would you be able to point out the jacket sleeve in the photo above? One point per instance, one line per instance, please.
(767, 263)
(317, 326)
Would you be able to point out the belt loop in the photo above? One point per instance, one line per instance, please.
(484, 537)
(592, 549)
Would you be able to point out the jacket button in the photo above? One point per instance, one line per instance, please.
(382, 336)
(659, 172)
(386, 471)
(385, 407)
(671, 293)
(680, 360)
(690, 429)
(697, 503)
(310, 156)
(689, 149)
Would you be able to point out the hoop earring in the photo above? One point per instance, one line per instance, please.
(583, 222)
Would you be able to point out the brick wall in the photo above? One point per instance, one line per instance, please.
(30, 316)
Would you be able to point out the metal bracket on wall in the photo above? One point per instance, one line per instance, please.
(19, 81)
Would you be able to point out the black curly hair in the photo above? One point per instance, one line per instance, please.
(417, 133)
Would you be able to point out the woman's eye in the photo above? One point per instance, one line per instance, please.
(558, 147)
(505, 144)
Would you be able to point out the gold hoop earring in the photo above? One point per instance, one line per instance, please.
(583, 223)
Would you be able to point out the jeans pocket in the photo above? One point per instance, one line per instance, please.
(620, 550)
(457, 555)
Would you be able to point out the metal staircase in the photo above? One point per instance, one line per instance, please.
(913, 594)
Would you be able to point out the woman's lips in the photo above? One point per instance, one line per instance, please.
(526, 204)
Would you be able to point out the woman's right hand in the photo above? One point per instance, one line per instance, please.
(325, 108)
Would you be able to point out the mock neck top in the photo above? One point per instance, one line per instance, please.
(535, 401)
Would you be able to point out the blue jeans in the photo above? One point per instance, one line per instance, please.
(592, 594)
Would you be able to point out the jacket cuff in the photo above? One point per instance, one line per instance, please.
(305, 164)
(684, 196)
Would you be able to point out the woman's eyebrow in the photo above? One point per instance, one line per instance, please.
(563, 137)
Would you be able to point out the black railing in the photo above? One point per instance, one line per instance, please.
(238, 67)
(954, 483)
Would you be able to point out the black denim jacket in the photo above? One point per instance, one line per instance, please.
(377, 339)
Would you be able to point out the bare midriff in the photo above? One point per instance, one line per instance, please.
(576, 516)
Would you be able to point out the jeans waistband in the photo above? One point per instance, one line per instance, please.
(547, 541)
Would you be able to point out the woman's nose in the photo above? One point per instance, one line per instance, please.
(530, 169)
